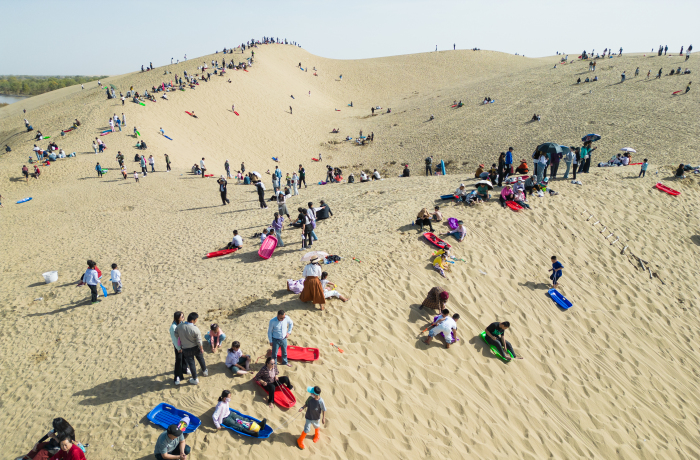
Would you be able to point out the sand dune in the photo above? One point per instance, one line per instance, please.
(613, 377)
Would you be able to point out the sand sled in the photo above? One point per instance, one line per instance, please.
(262, 434)
(514, 206)
(668, 190)
(268, 247)
(494, 350)
(560, 300)
(165, 415)
(166, 137)
(24, 200)
(283, 397)
(237, 114)
(315, 159)
(300, 353)
(208, 175)
(452, 223)
(223, 252)
(190, 114)
(447, 197)
(635, 164)
(436, 241)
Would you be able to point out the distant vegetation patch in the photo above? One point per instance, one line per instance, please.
(24, 85)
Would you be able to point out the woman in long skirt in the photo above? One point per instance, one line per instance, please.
(313, 291)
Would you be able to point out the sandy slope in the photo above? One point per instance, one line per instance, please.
(614, 377)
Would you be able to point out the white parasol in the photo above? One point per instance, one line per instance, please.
(629, 149)
(484, 182)
(314, 254)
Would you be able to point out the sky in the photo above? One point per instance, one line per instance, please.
(80, 37)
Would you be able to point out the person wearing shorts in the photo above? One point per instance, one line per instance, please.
(315, 415)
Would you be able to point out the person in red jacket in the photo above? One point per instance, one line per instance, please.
(69, 451)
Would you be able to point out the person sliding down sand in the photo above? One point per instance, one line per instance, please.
(329, 289)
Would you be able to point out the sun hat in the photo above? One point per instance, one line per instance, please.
(444, 295)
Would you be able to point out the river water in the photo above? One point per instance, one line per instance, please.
(10, 99)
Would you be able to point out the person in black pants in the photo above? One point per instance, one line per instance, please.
(429, 166)
(501, 168)
(423, 218)
(261, 194)
(269, 379)
(302, 176)
(495, 335)
(307, 226)
(178, 317)
(328, 208)
(222, 190)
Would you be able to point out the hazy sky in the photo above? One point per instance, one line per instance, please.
(80, 37)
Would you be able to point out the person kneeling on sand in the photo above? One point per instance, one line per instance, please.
(440, 264)
(329, 289)
(447, 327)
(236, 361)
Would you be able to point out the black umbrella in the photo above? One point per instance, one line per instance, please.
(549, 148)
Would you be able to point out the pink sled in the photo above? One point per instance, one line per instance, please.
(268, 247)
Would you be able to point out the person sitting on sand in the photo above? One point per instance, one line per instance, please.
(215, 337)
(236, 361)
(625, 160)
(423, 218)
(531, 185)
(61, 430)
(440, 264)
(171, 445)
(595, 78)
(461, 193)
(330, 289)
(479, 171)
(495, 336)
(236, 243)
(447, 327)
(459, 104)
(493, 173)
(460, 232)
(482, 192)
(680, 172)
(363, 177)
(406, 172)
(437, 215)
(520, 196)
(268, 378)
(522, 169)
(506, 195)
(376, 176)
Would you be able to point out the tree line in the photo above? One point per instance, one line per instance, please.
(24, 85)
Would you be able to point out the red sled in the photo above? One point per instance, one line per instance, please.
(237, 114)
(454, 105)
(223, 252)
(244, 70)
(514, 206)
(315, 159)
(267, 247)
(208, 175)
(300, 353)
(190, 114)
(635, 164)
(670, 191)
(436, 241)
(675, 92)
(283, 397)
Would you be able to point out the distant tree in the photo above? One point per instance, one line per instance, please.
(25, 85)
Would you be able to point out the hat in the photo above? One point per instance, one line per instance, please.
(461, 185)
(312, 390)
(315, 260)
(173, 430)
(520, 179)
(481, 166)
(444, 295)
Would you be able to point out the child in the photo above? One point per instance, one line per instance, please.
(437, 215)
(329, 289)
(136, 177)
(263, 236)
(237, 361)
(116, 278)
(556, 270)
(440, 264)
(215, 337)
(315, 415)
(643, 172)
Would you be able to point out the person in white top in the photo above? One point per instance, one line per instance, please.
(313, 290)
(376, 176)
(446, 326)
(202, 166)
(329, 289)
(116, 278)
(460, 232)
(222, 409)
(237, 241)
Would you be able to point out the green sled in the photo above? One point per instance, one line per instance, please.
(494, 350)
(141, 103)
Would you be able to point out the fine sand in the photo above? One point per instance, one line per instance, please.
(613, 377)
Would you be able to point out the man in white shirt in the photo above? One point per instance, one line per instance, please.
(278, 330)
(446, 326)
(202, 166)
(237, 241)
(376, 176)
